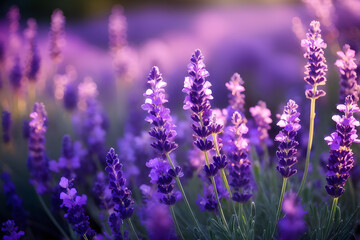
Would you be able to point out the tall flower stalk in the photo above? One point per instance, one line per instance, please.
(315, 71)
(341, 159)
(198, 101)
(287, 153)
(163, 132)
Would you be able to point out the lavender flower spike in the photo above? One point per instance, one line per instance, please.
(341, 157)
(316, 68)
(287, 153)
(293, 225)
(236, 97)
(347, 68)
(163, 130)
(75, 212)
(11, 231)
(57, 39)
(38, 162)
(262, 114)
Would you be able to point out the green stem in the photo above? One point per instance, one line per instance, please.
(85, 237)
(266, 154)
(331, 216)
(176, 223)
(51, 217)
(184, 196)
(132, 228)
(219, 203)
(311, 135)
(280, 203)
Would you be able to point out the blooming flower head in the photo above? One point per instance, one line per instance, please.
(316, 67)
(236, 96)
(341, 159)
(11, 231)
(16, 75)
(261, 114)
(117, 29)
(293, 224)
(287, 152)
(102, 191)
(348, 76)
(57, 35)
(70, 97)
(38, 162)
(75, 211)
(159, 116)
(6, 126)
(33, 61)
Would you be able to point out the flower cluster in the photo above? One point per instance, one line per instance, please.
(33, 61)
(348, 76)
(57, 38)
(121, 195)
(13, 200)
(16, 75)
(261, 114)
(207, 202)
(341, 159)
(11, 231)
(236, 96)
(38, 162)
(163, 130)
(6, 126)
(102, 191)
(70, 97)
(316, 67)
(240, 166)
(287, 153)
(75, 212)
(293, 224)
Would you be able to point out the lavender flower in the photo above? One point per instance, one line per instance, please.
(75, 212)
(6, 126)
(261, 114)
(316, 67)
(38, 162)
(16, 75)
(11, 231)
(163, 175)
(163, 130)
(68, 162)
(13, 200)
(115, 222)
(287, 153)
(293, 225)
(341, 159)
(117, 29)
(102, 191)
(348, 77)
(33, 62)
(236, 97)
(57, 38)
(127, 152)
(121, 195)
(70, 97)
(207, 202)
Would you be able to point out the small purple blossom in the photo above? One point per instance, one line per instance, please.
(121, 195)
(70, 97)
(33, 61)
(341, 159)
(57, 35)
(287, 153)
(102, 191)
(6, 126)
(316, 67)
(75, 211)
(207, 202)
(236, 96)
(348, 76)
(117, 29)
(261, 114)
(11, 231)
(16, 75)
(38, 162)
(159, 116)
(293, 225)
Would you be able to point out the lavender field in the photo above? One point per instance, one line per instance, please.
(184, 121)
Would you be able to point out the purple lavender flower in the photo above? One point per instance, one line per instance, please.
(102, 192)
(75, 212)
(127, 153)
(26, 129)
(287, 153)
(70, 97)
(207, 202)
(316, 67)
(68, 162)
(57, 38)
(240, 167)
(164, 129)
(348, 77)
(11, 231)
(38, 162)
(13, 200)
(117, 29)
(33, 62)
(16, 75)
(236, 97)
(115, 222)
(121, 195)
(293, 225)
(261, 114)
(163, 175)
(6, 126)
(341, 159)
